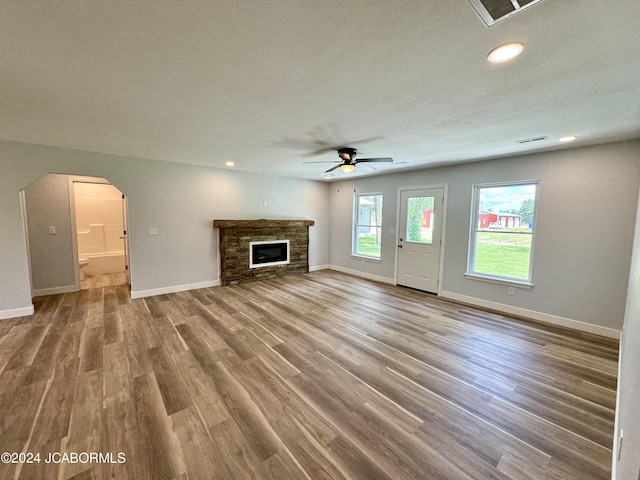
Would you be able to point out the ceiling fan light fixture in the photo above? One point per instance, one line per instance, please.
(347, 168)
(505, 52)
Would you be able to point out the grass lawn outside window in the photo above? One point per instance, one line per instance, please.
(503, 231)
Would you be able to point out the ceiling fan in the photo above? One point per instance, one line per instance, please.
(348, 160)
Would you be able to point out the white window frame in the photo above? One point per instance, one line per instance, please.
(473, 231)
(355, 225)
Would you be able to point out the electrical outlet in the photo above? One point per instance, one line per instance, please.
(511, 291)
(153, 230)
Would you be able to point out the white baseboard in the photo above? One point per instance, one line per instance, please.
(532, 314)
(319, 267)
(54, 291)
(173, 289)
(16, 312)
(368, 276)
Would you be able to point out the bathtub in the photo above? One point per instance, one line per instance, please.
(103, 246)
(101, 263)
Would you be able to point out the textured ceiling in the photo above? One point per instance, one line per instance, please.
(268, 84)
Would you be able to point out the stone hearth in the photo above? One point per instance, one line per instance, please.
(236, 236)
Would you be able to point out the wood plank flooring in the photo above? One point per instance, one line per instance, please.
(104, 280)
(318, 376)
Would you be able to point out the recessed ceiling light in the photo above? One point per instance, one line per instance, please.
(229, 164)
(568, 138)
(505, 52)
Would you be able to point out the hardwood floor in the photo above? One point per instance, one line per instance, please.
(319, 376)
(104, 280)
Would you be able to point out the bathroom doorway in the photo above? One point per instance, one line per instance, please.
(51, 226)
(99, 223)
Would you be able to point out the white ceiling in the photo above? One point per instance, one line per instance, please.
(267, 83)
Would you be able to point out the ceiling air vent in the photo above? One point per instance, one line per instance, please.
(493, 11)
(534, 139)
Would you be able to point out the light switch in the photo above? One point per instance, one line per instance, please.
(52, 230)
(153, 230)
(392, 231)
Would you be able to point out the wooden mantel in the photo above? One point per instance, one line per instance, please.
(261, 223)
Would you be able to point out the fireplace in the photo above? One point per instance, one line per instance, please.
(268, 253)
(262, 249)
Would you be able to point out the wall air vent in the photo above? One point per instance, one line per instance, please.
(534, 139)
(494, 11)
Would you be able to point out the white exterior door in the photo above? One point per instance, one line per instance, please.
(419, 238)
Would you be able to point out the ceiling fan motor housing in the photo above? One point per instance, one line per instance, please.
(347, 154)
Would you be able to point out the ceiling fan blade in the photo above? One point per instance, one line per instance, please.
(368, 167)
(369, 160)
(333, 168)
(321, 151)
(324, 161)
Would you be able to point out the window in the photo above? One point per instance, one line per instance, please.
(502, 231)
(367, 224)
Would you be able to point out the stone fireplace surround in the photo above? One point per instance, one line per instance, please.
(236, 235)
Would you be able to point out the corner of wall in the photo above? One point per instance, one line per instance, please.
(16, 312)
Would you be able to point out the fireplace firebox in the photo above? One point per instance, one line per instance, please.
(268, 253)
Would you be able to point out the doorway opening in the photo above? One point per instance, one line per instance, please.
(75, 239)
(99, 214)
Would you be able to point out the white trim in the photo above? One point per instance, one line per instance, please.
(532, 314)
(173, 289)
(354, 223)
(16, 312)
(41, 292)
(358, 273)
(74, 230)
(25, 231)
(368, 259)
(320, 267)
(499, 281)
(616, 421)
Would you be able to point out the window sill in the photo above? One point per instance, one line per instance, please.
(364, 257)
(499, 281)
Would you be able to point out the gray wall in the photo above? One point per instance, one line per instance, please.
(47, 205)
(586, 211)
(628, 468)
(181, 200)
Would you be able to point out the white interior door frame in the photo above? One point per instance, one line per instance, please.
(73, 179)
(445, 189)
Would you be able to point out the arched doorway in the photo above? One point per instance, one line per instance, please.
(69, 218)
